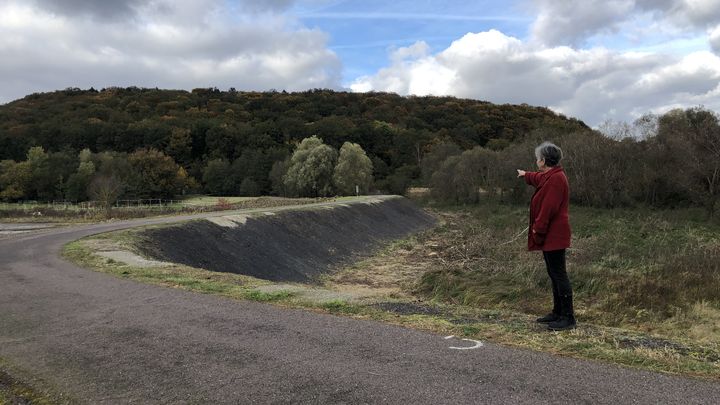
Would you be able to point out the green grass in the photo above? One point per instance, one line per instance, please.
(340, 307)
(262, 296)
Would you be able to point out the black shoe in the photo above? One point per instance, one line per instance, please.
(551, 317)
(564, 323)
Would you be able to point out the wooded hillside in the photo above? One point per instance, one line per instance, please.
(251, 131)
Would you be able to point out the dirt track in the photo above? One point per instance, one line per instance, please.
(100, 339)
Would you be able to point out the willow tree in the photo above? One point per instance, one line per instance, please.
(311, 169)
(354, 169)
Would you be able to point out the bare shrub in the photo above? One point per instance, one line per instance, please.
(105, 190)
(223, 204)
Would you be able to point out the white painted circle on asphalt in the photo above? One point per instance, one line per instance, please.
(477, 344)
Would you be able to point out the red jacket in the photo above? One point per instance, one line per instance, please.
(549, 218)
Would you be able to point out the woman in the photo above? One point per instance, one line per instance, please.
(549, 230)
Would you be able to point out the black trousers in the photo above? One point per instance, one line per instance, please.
(555, 263)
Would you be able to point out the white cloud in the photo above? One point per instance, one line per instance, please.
(692, 13)
(593, 84)
(714, 38)
(123, 9)
(167, 44)
(412, 72)
(573, 22)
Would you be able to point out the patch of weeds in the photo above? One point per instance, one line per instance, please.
(262, 296)
(470, 330)
(14, 391)
(405, 244)
(339, 306)
(199, 285)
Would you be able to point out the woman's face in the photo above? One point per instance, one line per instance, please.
(541, 164)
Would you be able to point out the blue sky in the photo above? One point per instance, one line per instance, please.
(363, 32)
(596, 60)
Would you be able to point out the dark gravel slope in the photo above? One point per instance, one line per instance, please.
(291, 245)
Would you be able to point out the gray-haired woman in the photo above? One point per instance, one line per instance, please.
(549, 229)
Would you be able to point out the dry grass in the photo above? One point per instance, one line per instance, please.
(630, 269)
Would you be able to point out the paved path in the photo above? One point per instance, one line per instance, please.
(106, 340)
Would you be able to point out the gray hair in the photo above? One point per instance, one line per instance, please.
(550, 152)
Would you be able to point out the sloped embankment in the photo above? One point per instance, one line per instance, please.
(289, 245)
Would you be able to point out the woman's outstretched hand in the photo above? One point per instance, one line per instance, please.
(521, 173)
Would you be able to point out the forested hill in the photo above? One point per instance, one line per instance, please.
(224, 123)
(261, 127)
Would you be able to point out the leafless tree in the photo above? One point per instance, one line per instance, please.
(105, 190)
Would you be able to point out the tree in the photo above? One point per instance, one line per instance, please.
(15, 180)
(78, 182)
(516, 156)
(254, 164)
(113, 164)
(353, 169)
(49, 173)
(691, 146)
(466, 177)
(442, 184)
(476, 173)
(180, 145)
(311, 168)
(36, 160)
(380, 169)
(216, 177)
(105, 190)
(399, 181)
(277, 177)
(155, 175)
(249, 188)
(220, 141)
(598, 169)
(432, 161)
(704, 136)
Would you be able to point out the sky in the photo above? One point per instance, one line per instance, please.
(595, 60)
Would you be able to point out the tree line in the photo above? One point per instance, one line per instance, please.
(663, 161)
(313, 170)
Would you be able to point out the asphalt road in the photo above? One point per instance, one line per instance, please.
(101, 339)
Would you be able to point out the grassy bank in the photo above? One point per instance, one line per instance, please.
(645, 282)
(649, 271)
